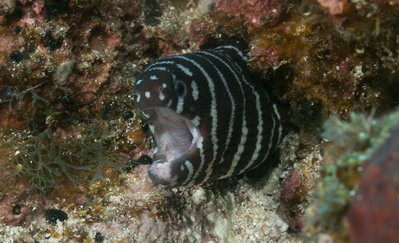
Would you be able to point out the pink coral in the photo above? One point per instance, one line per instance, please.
(31, 205)
(199, 32)
(265, 57)
(289, 197)
(289, 186)
(334, 6)
(38, 6)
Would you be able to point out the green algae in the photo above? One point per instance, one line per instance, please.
(45, 160)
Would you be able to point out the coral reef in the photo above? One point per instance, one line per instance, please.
(66, 71)
(132, 208)
(320, 67)
(256, 12)
(301, 157)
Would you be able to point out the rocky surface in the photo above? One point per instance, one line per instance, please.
(66, 69)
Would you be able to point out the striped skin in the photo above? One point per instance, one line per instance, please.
(208, 118)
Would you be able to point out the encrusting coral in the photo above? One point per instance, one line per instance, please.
(67, 68)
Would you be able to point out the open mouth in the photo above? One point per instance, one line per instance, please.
(174, 134)
(176, 137)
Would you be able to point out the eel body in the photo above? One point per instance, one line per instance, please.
(209, 120)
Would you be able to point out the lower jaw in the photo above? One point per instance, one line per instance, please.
(162, 173)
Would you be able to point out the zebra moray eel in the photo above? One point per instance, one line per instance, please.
(209, 120)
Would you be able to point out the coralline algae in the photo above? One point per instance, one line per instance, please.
(66, 64)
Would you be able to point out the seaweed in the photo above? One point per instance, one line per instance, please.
(56, 142)
(46, 160)
(9, 96)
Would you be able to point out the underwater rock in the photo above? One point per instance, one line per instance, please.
(256, 12)
(20, 208)
(290, 187)
(7, 7)
(374, 211)
(334, 6)
(63, 71)
(53, 215)
(350, 144)
(64, 64)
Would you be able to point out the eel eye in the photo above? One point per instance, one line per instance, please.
(180, 88)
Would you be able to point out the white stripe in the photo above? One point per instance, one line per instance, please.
(239, 52)
(270, 140)
(280, 130)
(213, 112)
(190, 169)
(185, 70)
(200, 147)
(158, 63)
(195, 92)
(169, 103)
(276, 111)
(244, 129)
(209, 170)
(233, 104)
(240, 149)
(145, 114)
(180, 103)
(152, 128)
(259, 109)
(259, 136)
(139, 81)
(156, 69)
(138, 98)
(196, 121)
(153, 77)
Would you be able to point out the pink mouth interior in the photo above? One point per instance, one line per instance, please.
(174, 134)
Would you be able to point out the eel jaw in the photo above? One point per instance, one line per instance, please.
(176, 137)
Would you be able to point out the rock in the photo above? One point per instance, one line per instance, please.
(374, 211)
